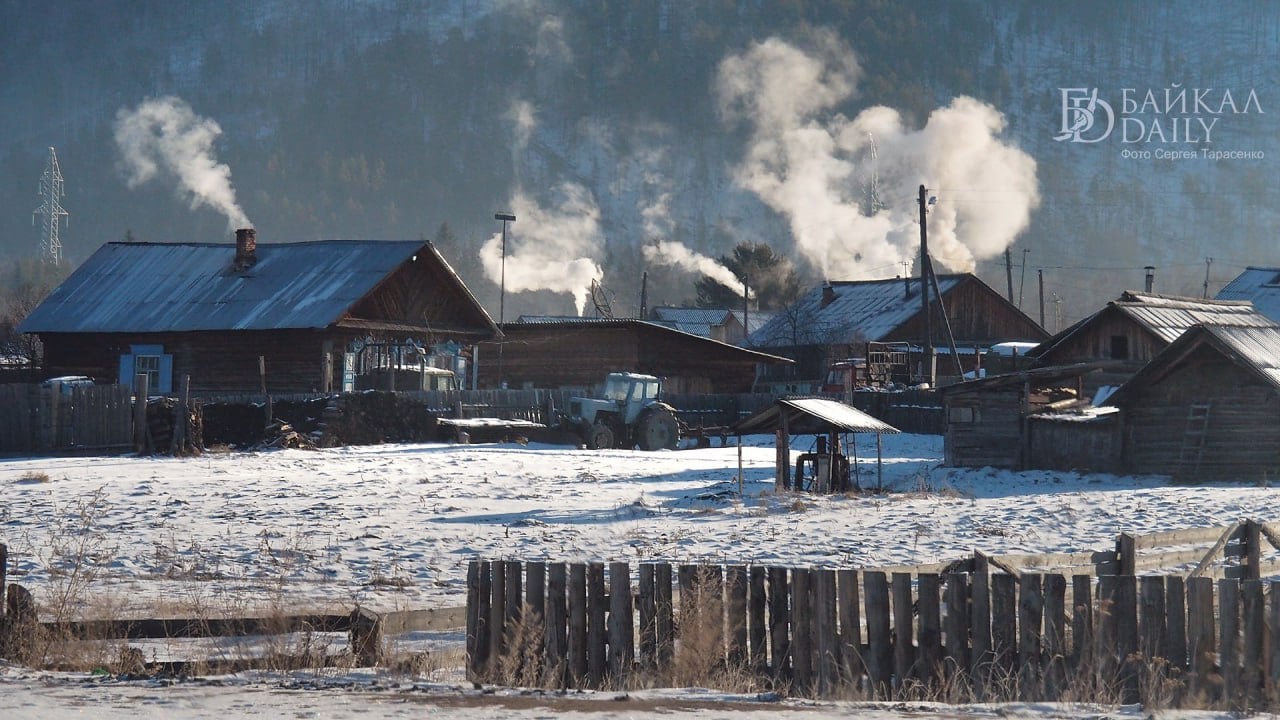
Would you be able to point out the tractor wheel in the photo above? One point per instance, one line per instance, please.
(658, 430)
(600, 437)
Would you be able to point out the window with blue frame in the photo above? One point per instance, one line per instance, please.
(149, 360)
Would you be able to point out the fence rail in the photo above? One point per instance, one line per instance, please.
(823, 632)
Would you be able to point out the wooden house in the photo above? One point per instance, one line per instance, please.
(727, 326)
(989, 420)
(837, 320)
(1207, 407)
(557, 352)
(1134, 328)
(292, 317)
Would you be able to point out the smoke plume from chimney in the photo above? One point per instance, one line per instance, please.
(847, 186)
(164, 135)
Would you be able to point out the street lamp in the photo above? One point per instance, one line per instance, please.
(505, 217)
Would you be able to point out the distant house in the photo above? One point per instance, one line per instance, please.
(727, 326)
(294, 317)
(555, 352)
(1258, 285)
(1206, 407)
(837, 320)
(1134, 328)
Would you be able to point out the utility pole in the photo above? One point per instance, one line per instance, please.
(927, 356)
(51, 194)
(1040, 271)
(644, 295)
(746, 308)
(1207, 263)
(1022, 284)
(1008, 271)
(505, 217)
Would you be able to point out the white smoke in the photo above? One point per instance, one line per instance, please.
(165, 135)
(669, 252)
(549, 248)
(815, 165)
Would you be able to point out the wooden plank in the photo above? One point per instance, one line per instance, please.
(1083, 647)
(879, 640)
(801, 631)
(647, 608)
(1175, 627)
(1125, 608)
(956, 627)
(497, 613)
(597, 628)
(904, 650)
(757, 627)
(1030, 615)
(980, 659)
(1055, 649)
(736, 615)
(473, 606)
(1253, 625)
(1201, 632)
(534, 620)
(1272, 685)
(826, 638)
(1215, 551)
(1168, 538)
(1004, 638)
(1229, 637)
(577, 631)
(1152, 641)
(851, 664)
(664, 610)
(929, 635)
(621, 623)
(556, 640)
(779, 624)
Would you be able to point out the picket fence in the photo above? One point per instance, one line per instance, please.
(842, 633)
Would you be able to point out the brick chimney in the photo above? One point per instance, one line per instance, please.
(246, 248)
(828, 294)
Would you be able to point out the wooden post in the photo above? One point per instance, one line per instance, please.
(556, 640)
(1201, 633)
(1252, 550)
(1004, 636)
(956, 628)
(757, 629)
(597, 630)
(1082, 627)
(1175, 603)
(850, 628)
(141, 432)
(1030, 614)
(980, 660)
(782, 459)
(1055, 648)
(779, 623)
(1126, 609)
(577, 635)
(801, 631)
(929, 635)
(1253, 623)
(647, 609)
(497, 612)
(365, 637)
(904, 656)
(1126, 553)
(879, 639)
(473, 604)
(737, 614)
(1152, 618)
(826, 641)
(1228, 655)
(665, 618)
(1273, 641)
(621, 623)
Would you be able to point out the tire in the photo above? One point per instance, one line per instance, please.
(658, 430)
(599, 437)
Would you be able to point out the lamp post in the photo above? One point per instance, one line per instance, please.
(505, 217)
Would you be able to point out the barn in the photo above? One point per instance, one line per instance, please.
(836, 321)
(558, 352)
(287, 317)
(1134, 328)
(1207, 407)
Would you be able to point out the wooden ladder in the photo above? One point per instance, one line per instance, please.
(1192, 450)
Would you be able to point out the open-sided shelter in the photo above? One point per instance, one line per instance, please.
(288, 317)
(826, 419)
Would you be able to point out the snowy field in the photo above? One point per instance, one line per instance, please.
(393, 526)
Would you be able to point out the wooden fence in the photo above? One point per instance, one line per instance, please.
(71, 418)
(832, 633)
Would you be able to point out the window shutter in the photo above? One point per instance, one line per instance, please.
(166, 374)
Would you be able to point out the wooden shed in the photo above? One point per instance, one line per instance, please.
(987, 419)
(290, 317)
(1207, 407)
(545, 352)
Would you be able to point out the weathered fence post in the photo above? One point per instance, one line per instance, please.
(473, 625)
(664, 621)
(1082, 627)
(757, 629)
(779, 624)
(1253, 626)
(879, 640)
(904, 658)
(929, 635)
(621, 622)
(980, 659)
(647, 610)
(1151, 619)
(1201, 633)
(365, 637)
(1273, 665)
(850, 627)
(1004, 637)
(1030, 614)
(1228, 655)
(1055, 647)
(736, 580)
(497, 614)
(1126, 553)
(1252, 559)
(555, 640)
(956, 630)
(801, 630)
(1126, 608)
(535, 618)
(577, 624)
(826, 641)
(1175, 604)
(597, 630)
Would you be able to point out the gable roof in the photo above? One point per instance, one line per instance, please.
(181, 287)
(1255, 349)
(697, 321)
(1165, 316)
(810, 415)
(873, 308)
(550, 323)
(1259, 285)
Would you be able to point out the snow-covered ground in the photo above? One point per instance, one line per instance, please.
(393, 527)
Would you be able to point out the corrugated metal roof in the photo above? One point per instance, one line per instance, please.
(148, 287)
(1259, 285)
(871, 309)
(1168, 317)
(808, 415)
(547, 320)
(1256, 349)
(690, 316)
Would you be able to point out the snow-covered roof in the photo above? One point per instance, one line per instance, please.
(807, 415)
